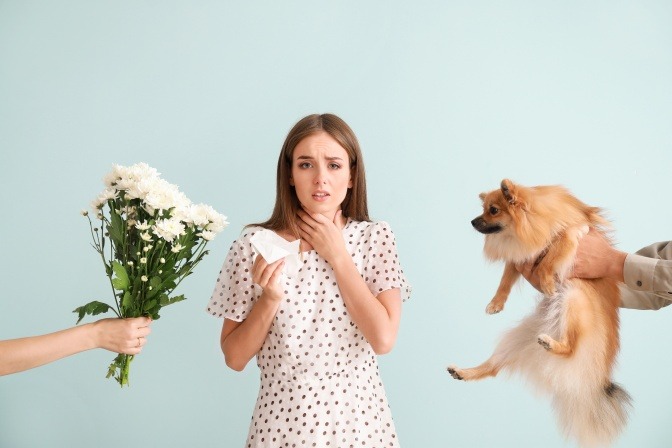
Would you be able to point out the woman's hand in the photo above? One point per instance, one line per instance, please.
(268, 277)
(324, 235)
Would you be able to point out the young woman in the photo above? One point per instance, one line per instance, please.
(316, 334)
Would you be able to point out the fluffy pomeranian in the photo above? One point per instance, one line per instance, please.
(567, 347)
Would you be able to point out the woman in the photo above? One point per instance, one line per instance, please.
(316, 333)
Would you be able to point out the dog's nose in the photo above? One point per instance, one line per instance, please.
(478, 223)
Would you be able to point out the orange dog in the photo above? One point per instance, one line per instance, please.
(567, 347)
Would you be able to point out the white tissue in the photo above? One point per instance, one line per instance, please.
(272, 247)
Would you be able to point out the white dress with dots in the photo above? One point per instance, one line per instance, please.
(320, 385)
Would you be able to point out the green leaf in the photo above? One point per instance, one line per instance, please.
(155, 284)
(149, 305)
(91, 308)
(127, 300)
(121, 282)
(164, 299)
(115, 228)
(175, 299)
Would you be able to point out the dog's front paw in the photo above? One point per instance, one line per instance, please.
(548, 287)
(494, 307)
(454, 372)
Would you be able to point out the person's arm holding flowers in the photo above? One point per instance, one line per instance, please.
(126, 336)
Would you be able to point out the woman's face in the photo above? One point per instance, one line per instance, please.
(320, 174)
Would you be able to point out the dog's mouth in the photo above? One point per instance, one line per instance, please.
(482, 226)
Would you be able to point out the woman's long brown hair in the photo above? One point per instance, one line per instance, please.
(284, 216)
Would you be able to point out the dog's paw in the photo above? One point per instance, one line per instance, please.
(453, 372)
(548, 288)
(545, 341)
(494, 307)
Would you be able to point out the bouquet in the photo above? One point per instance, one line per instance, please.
(150, 237)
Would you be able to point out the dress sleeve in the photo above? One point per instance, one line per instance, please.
(235, 292)
(382, 270)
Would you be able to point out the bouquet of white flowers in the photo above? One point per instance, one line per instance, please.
(150, 237)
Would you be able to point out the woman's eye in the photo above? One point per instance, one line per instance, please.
(304, 165)
(493, 210)
(334, 166)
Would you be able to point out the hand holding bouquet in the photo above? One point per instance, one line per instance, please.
(150, 237)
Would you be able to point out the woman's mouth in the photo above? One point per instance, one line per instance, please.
(320, 196)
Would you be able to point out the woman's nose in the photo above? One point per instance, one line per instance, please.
(320, 177)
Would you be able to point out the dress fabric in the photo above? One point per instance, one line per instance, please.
(319, 382)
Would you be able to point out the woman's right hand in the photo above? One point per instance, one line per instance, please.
(268, 277)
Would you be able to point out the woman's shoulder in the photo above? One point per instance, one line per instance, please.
(368, 228)
(245, 235)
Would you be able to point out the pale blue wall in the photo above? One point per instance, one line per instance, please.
(446, 97)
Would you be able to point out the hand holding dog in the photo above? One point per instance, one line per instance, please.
(595, 258)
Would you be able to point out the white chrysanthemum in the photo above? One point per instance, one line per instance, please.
(164, 196)
(103, 197)
(217, 224)
(144, 225)
(199, 214)
(140, 189)
(207, 235)
(144, 278)
(168, 229)
(176, 248)
(143, 260)
(118, 172)
(146, 236)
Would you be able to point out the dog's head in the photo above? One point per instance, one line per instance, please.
(500, 208)
(519, 222)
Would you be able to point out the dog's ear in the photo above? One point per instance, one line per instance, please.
(482, 196)
(509, 191)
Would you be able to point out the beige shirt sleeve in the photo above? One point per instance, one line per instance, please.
(648, 278)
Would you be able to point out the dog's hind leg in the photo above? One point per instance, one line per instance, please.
(570, 325)
(563, 348)
(488, 368)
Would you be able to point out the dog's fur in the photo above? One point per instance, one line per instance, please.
(567, 347)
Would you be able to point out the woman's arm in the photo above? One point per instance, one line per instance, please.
(377, 317)
(117, 335)
(240, 341)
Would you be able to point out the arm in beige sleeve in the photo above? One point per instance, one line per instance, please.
(648, 278)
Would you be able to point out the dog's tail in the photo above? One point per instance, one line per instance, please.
(596, 418)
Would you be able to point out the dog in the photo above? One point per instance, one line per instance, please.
(568, 346)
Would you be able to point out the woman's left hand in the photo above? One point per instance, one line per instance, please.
(324, 235)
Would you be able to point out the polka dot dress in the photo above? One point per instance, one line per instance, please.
(320, 385)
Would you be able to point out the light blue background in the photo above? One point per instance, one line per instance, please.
(447, 98)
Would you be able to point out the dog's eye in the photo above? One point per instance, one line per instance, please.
(493, 210)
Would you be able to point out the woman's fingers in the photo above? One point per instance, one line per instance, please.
(264, 273)
(258, 269)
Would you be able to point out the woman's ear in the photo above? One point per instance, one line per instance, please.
(291, 181)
